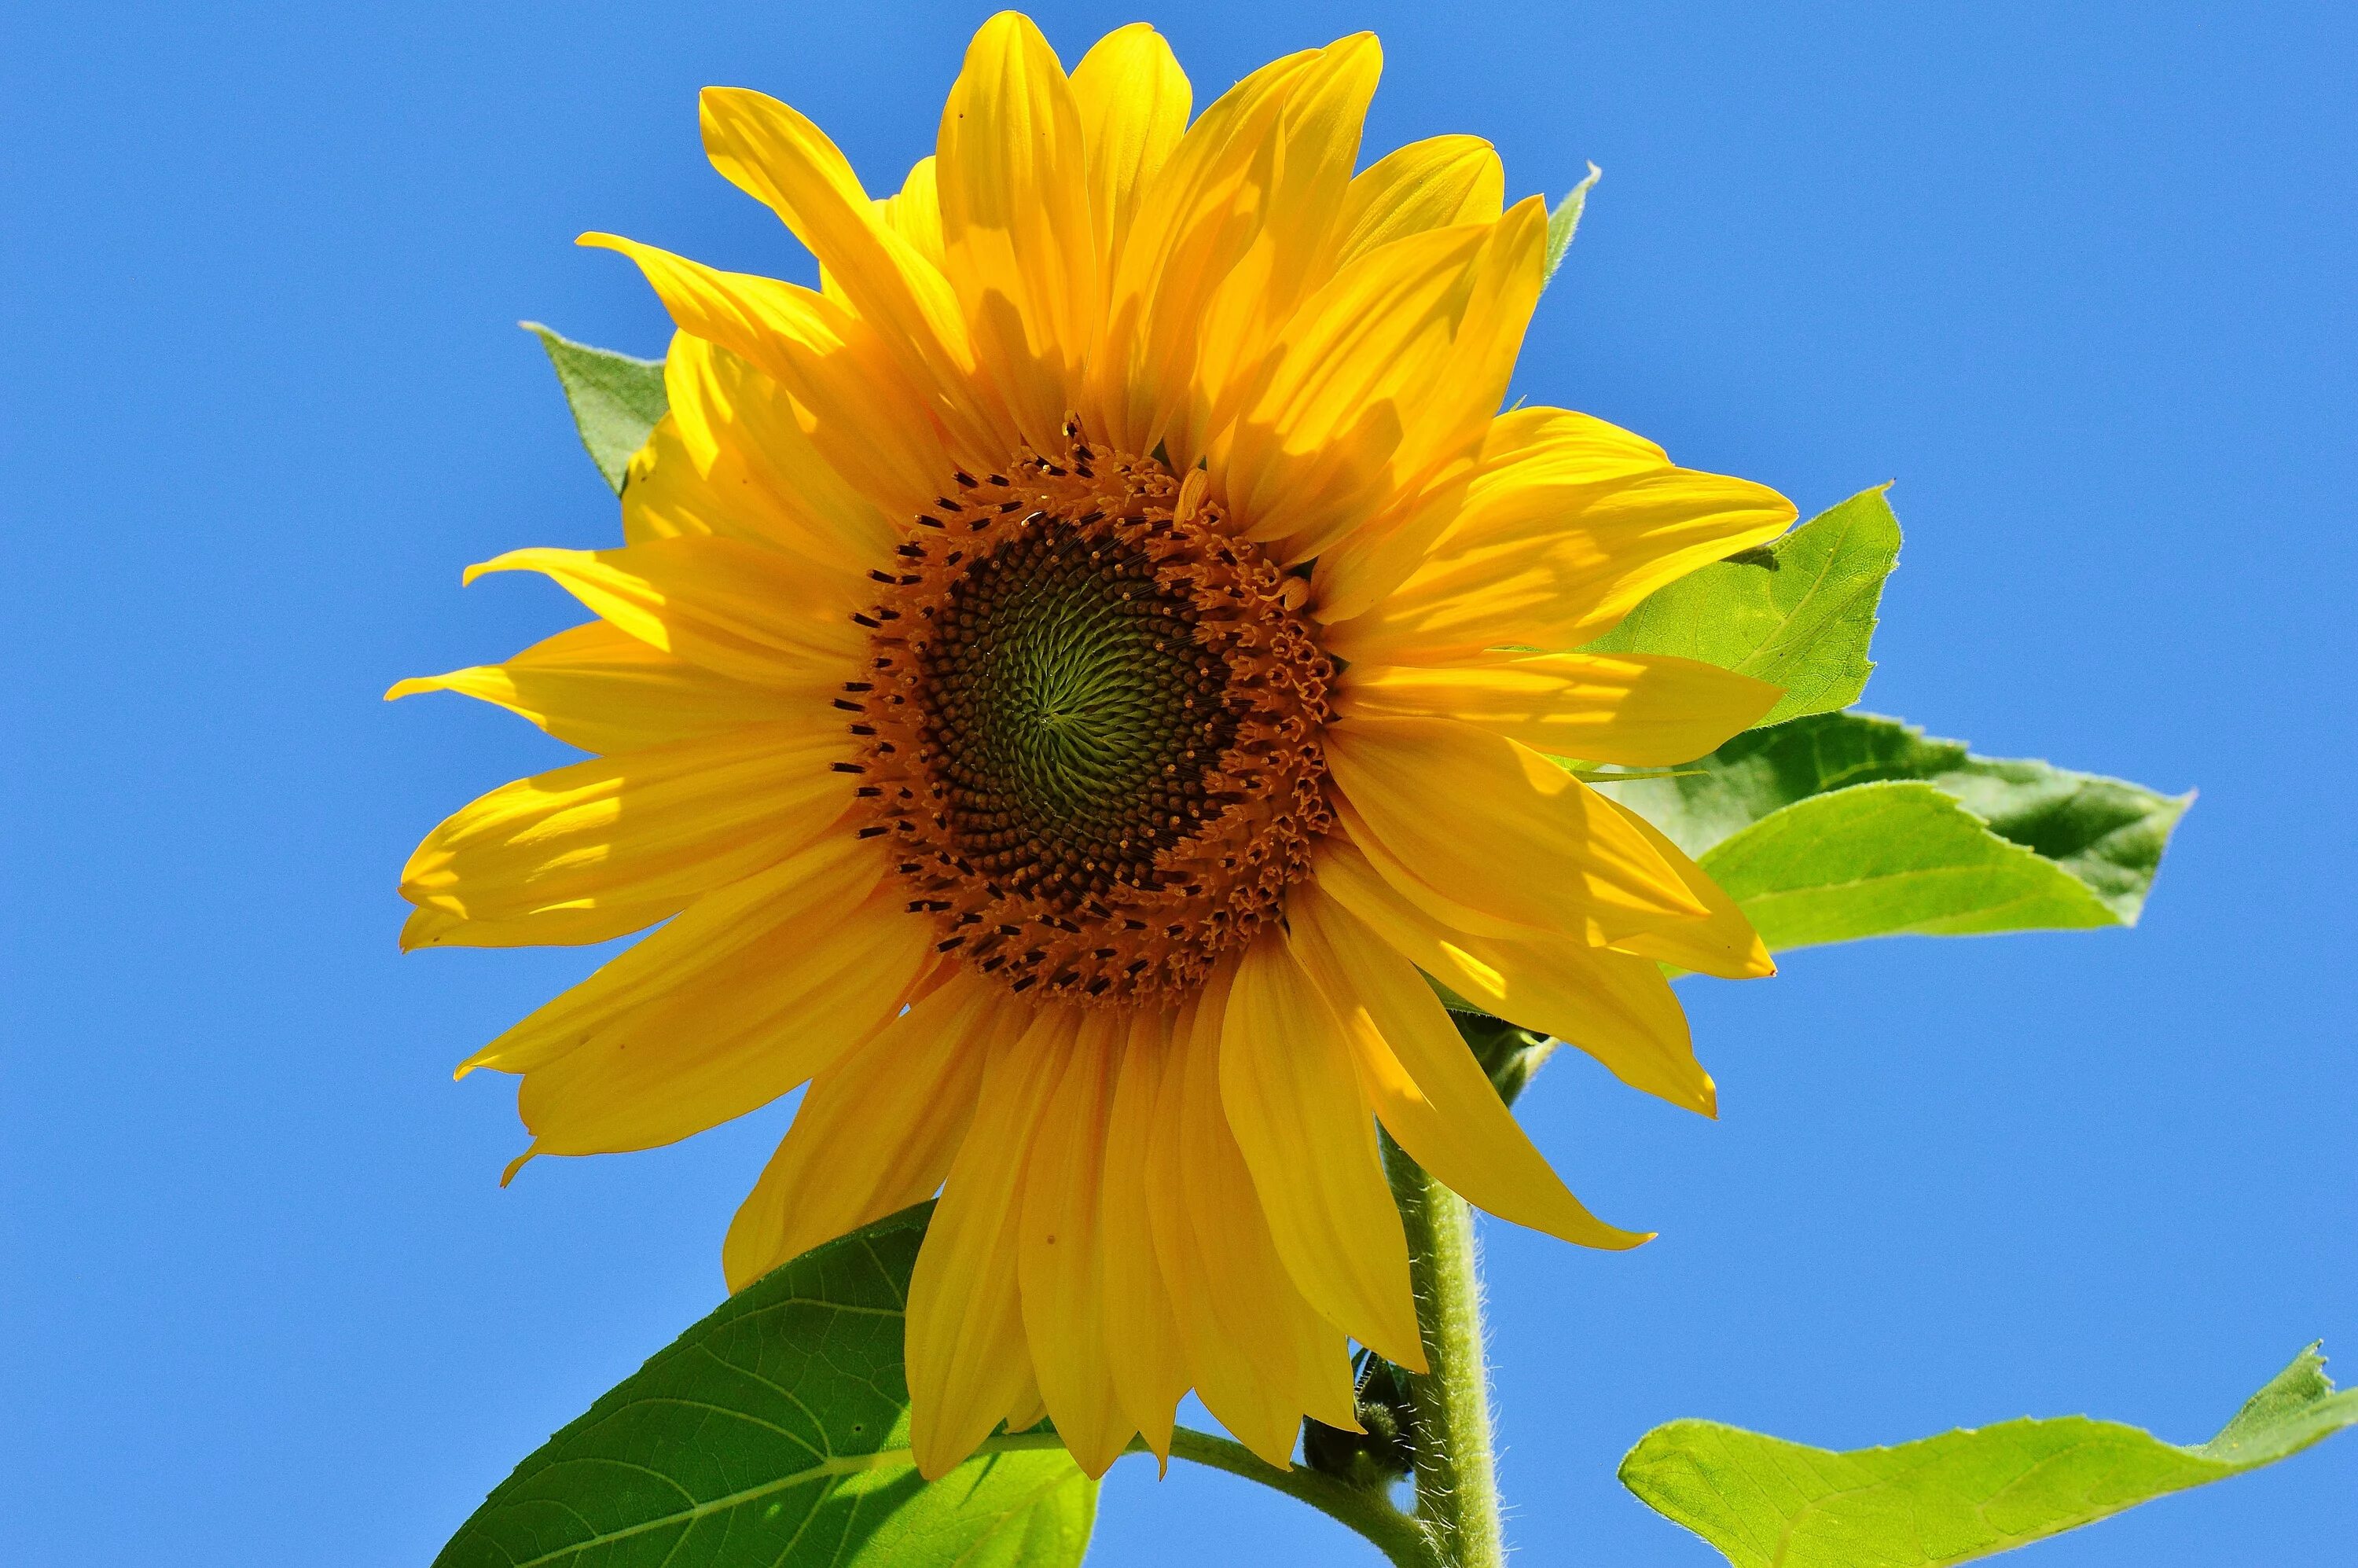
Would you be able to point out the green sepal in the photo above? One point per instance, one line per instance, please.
(1384, 1448)
(776, 1435)
(1798, 612)
(616, 400)
(1565, 222)
(1767, 1503)
(1843, 825)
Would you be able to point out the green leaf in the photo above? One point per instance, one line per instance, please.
(775, 1433)
(1565, 220)
(1798, 612)
(1842, 826)
(1767, 1503)
(616, 399)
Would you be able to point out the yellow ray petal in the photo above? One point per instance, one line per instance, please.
(1258, 1355)
(914, 211)
(646, 827)
(1014, 177)
(598, 687)
(1427, 1088)
(1632, 709)
(732, 458)
(1134, 101)
(789, 1004)
(1027, 1409)
(1193, 221)
(1313, 448)
(735, 609)
(1148, 1360)
(1430, 184)
(836, 873)
(1615, 1007)
(1724, 945)
(1292, 1100)
(1544, 849)
(863, 413)
(1237, 1378)
(775, 155)
(1565, 525)
(875, 1133)
(558, 927)
(1060, 1259)
(1418, 893)
(1293, 254)
(1440, 453)
(968, 1363)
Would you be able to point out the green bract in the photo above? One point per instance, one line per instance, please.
(616, 399)
(1767, 1503)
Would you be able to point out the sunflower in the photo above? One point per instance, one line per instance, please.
(1073, 687)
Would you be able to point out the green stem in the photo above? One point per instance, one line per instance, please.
(1395, 1534)
(1456, 1478)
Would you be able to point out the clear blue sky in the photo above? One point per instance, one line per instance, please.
(2078, 277)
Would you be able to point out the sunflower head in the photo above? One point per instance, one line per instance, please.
(1070, 689)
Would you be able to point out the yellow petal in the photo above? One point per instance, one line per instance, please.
(1565, 527)
(914, 211)
(1293, 254)
(732, 458)
(1724, 944)
(1148, 1359)
(835, 873)
(1313, 449)
(875, 1133)
(775, 155)
(1193, 221)
(1542, 849)
(648, 827)
(735, 609)
(1292, 1100)
(968, 1359)
(1014, 177)
(1632, 709)
(1430, 184)
(789, 1005)
(1260, 1356)
(1060, 1258)
(560, 928)
(1440, 454)
(598, 687)
(863, 413)
(1133, 101)
(1427, 1088)
(1615, 1007)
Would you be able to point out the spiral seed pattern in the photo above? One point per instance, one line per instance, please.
(1091, 728)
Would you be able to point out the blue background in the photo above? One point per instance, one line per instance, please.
(2078, 277)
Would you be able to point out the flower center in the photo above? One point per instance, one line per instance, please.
(1093, 726)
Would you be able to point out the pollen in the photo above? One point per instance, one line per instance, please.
(1091, 726)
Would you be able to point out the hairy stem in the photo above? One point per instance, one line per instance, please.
(1456, 1478)
(1395, 1534)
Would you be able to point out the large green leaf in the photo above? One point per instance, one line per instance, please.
(1842, 826)
(616, 399)
(1765, 1503)
(1798, 612)
(774, 1434)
